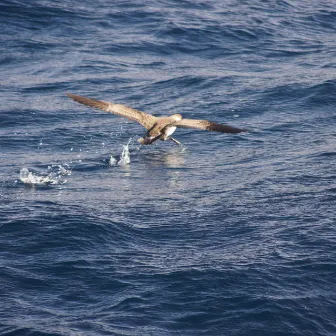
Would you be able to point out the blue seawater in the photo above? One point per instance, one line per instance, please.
(234, 235)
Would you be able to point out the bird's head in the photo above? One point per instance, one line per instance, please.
(177, 117)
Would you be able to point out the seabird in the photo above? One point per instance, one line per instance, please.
(157, 127)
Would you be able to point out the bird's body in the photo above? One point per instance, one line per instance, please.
(157, 127)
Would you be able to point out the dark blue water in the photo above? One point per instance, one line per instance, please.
(234, 235)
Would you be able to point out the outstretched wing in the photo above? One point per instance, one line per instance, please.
(145, 119)
(208, 126)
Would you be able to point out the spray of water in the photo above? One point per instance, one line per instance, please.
(125, 158)
(54, 175)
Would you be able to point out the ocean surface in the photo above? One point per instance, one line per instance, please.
(226, 235)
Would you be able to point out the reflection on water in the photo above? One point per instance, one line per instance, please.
(175, 179)
(173, 158)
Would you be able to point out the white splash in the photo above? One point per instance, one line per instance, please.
(113, 161)
(28, 177)
(55, 176)
(59, 170)
(125, 158)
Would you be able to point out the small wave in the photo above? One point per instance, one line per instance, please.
(54, 176)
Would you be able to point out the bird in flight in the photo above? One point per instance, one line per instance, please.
(157, 127)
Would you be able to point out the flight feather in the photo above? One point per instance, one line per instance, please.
(208, 126)
(145, 119)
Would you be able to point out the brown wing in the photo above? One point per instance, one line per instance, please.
(145, 119)
(208, 126)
